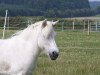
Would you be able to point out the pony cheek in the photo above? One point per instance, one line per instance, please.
(41, 43)
(45, 50)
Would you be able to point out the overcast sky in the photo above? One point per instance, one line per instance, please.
(94, 0)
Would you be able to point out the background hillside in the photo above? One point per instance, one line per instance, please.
(47, 8)
(94, 4)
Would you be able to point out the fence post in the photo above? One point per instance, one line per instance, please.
(88, 27)
(8, 23)
(62, 26)
(4, 25)
(96, 25)
(28, 22)
(73, 25)
(84, 26)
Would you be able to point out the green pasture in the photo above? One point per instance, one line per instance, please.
(79, 54)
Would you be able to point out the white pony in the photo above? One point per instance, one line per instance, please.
(18, 54)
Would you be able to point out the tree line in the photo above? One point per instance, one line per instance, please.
(47, 8)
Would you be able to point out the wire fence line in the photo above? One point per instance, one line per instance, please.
(88, 24)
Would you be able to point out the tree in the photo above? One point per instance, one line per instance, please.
(48, 8)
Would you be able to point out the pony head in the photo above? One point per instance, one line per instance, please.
(46, 40)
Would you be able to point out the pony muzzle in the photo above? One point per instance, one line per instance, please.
(54, 55)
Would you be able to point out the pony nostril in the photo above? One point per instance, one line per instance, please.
(55, 54)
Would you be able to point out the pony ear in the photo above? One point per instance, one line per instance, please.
(44, 23)
(54, 23)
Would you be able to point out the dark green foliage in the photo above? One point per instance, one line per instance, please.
(47, 8)
(98, 9)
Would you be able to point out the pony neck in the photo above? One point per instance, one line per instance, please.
(31, 36)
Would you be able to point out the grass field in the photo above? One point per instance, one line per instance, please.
(79, 55)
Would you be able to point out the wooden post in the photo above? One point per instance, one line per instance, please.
(62, 26)
(28, 23)
(8, 23)
(84, 26)
(96, 26)
(88, 27)
(73, 25)
(4, 25)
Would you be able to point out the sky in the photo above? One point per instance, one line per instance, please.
(94, 0)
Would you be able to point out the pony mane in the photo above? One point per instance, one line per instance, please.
(29, 26)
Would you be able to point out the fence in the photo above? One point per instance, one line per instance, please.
(88, 24)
